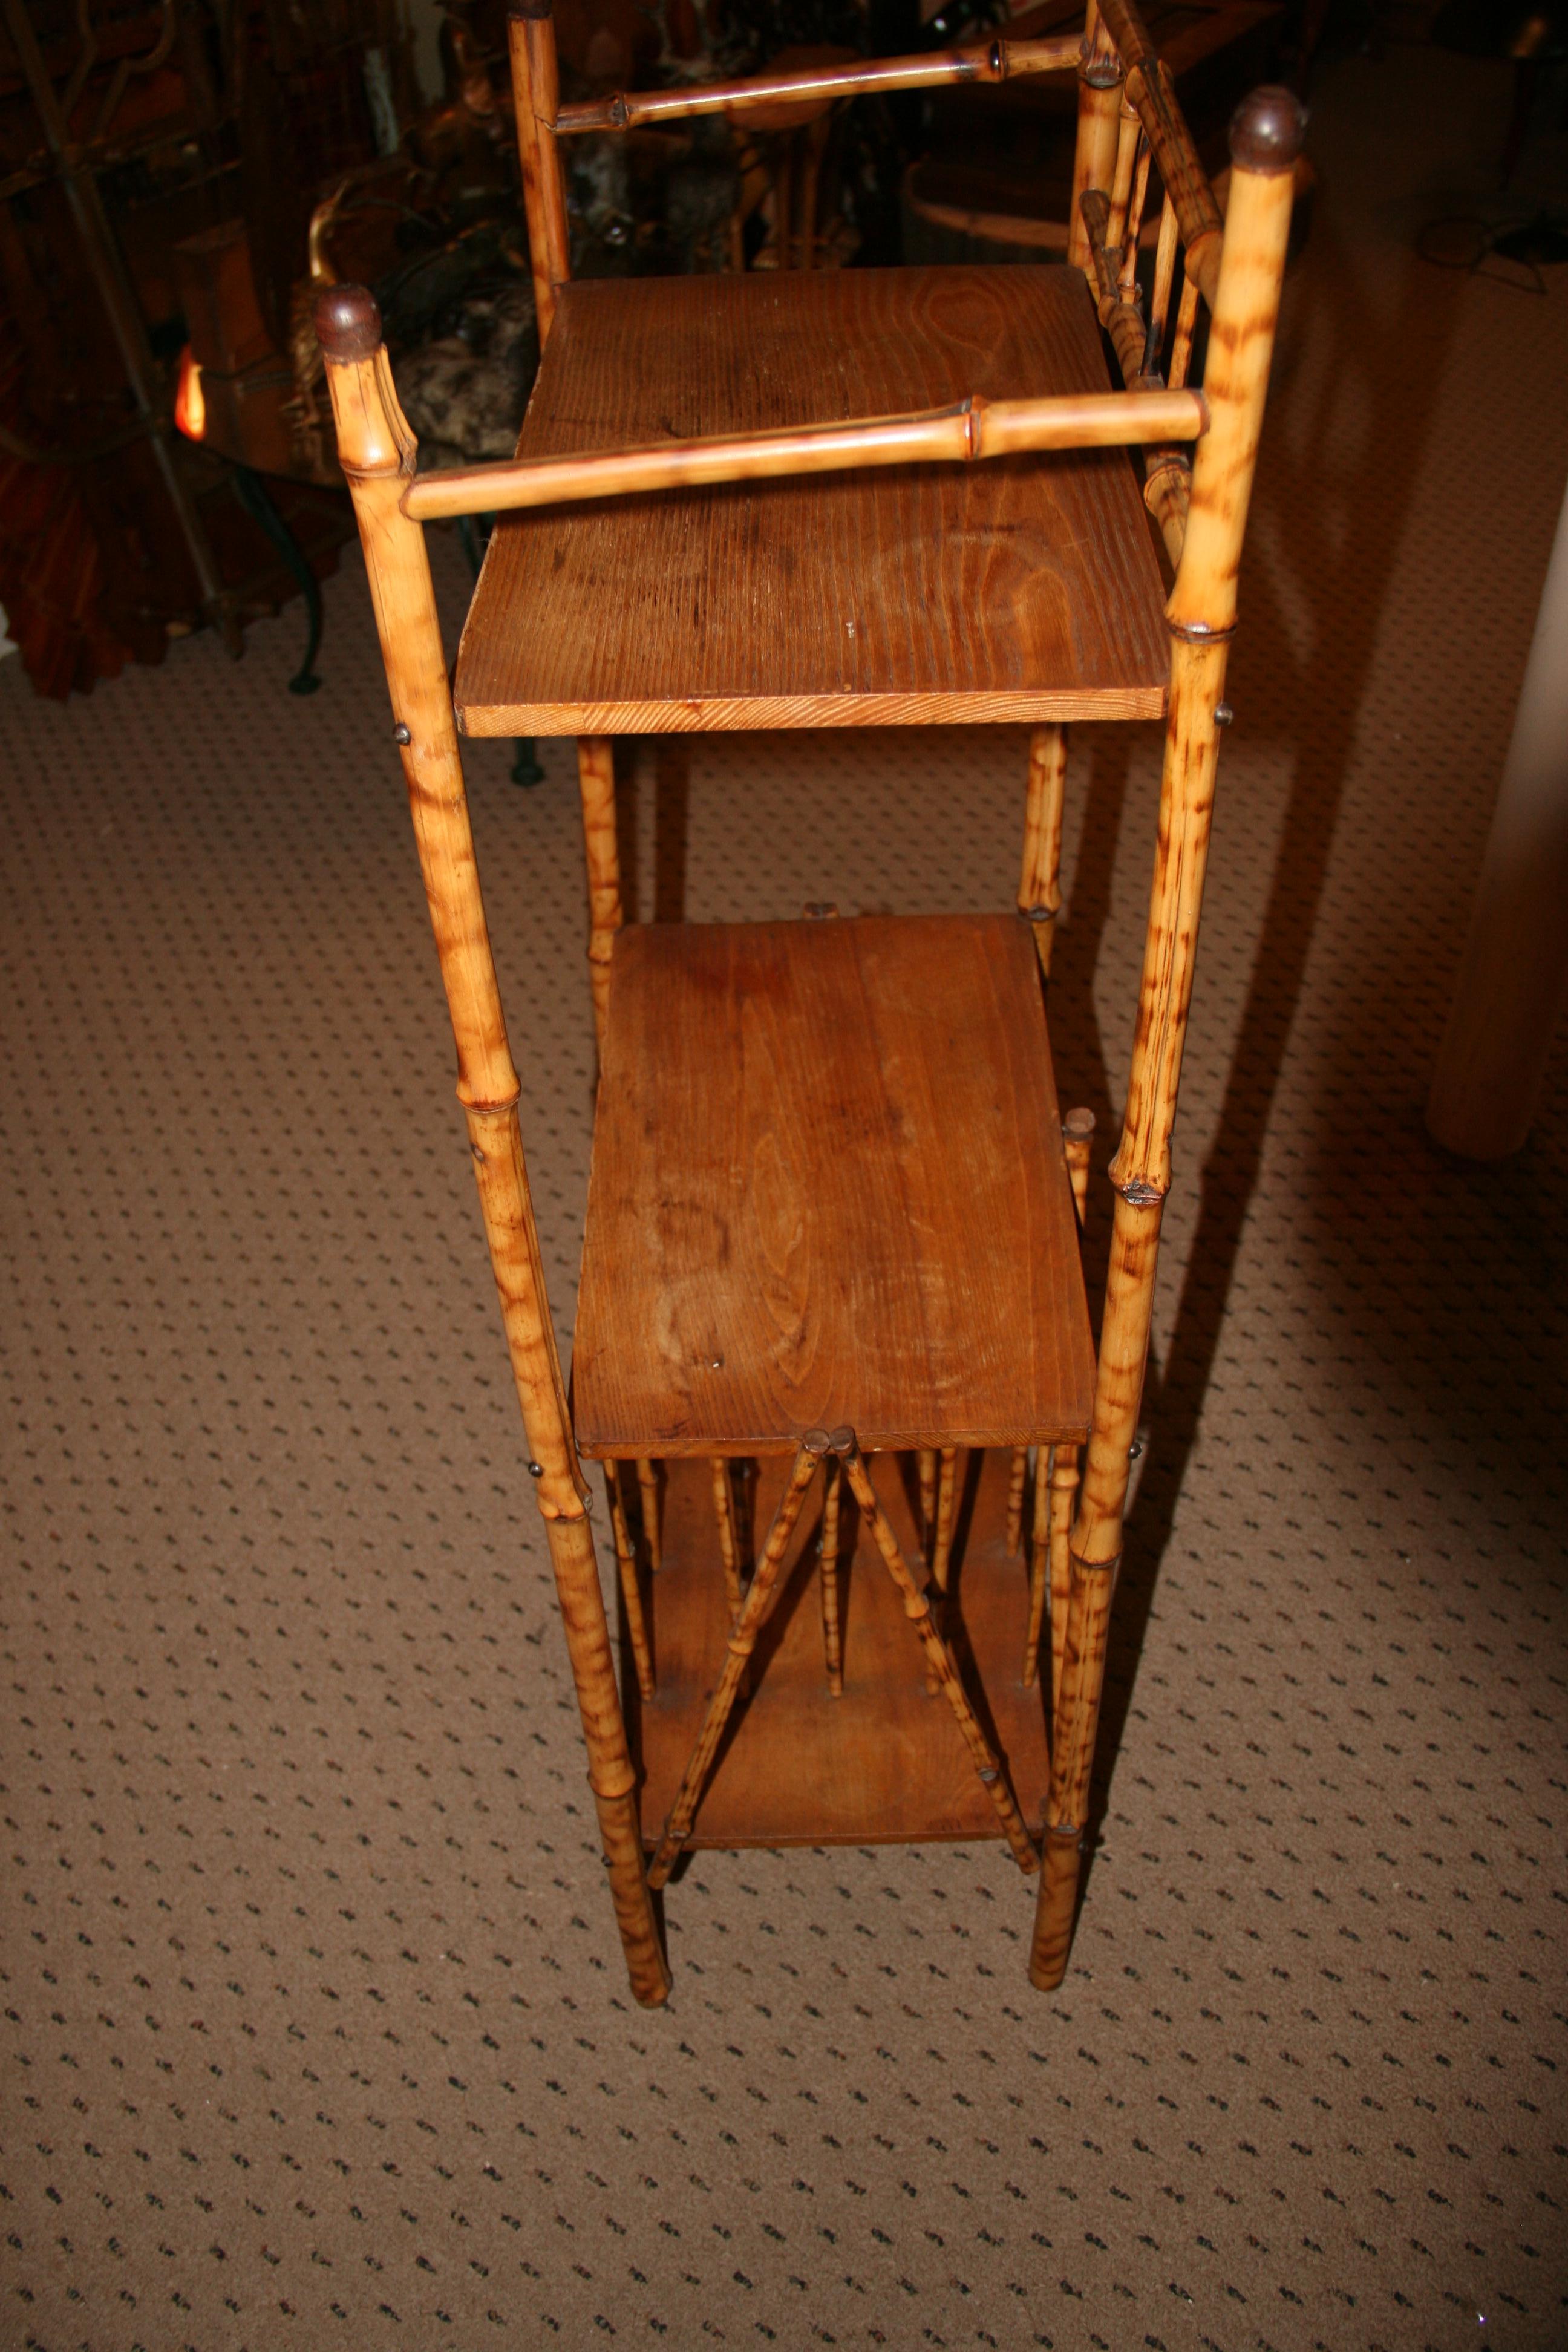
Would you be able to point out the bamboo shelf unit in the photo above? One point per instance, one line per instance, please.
(865, 1466)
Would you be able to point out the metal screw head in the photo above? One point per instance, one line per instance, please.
(536, 1469)
(401, 733)
(1223, 714)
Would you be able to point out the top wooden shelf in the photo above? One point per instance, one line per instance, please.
(1024, 590)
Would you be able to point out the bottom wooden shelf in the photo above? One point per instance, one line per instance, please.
(884, 1764)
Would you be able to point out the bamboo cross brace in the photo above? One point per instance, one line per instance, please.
(631, 1591)
(992, 61)
(967, 431)
(832, 1635)
(917, 1608)
(743, 1638)
(724, 1512)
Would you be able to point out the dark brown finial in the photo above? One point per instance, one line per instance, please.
(348, 324)
(1267, 130)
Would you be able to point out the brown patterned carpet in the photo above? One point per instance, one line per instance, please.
(316, 2029)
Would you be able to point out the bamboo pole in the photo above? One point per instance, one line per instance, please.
(1164, 272)
(941, 1545)
(992, 61)
(1099, 114)
(596, 788)
(1151, 92)
(926, 1461)
(1182, 342)
(1065, 1474)
(1044, 798)
(1266, 138)
(969, 431)
(832, 1631)
(536, 93)
(631, 1591)
(1123, 319)
(376, 451)
(743, 1639)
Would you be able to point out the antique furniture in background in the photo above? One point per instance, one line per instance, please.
(832, 1315)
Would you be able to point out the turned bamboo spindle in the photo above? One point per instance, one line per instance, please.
(536, 91)
(1164, 273)
(1039, 882)
(927, 1467)
(1128, 136)
(1017, 1479)
(1182, 340)
(596, 790)
(647, 1487)
(1078, 1150)
(724, 1512)
(1064, 1493)
(832, 1632)
(743, 1638)
(1266, 138)
(631, 1591)
(377, 452)
(939, 1658)
(1039, 1564)
(1134, 229)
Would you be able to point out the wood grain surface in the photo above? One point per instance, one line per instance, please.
(923, 595)
(827, 1186)
(886, 1761)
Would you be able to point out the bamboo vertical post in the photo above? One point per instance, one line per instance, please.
(927, 1471)
(1078, 1150)
(596, 790)
(1039, 1563)
(1039, 883)
(1127, 276)
(1265, 140)
(1128, 133)
(1098, 114)
(1017, 1479)
(631, 1591)
(1164, 272)
(647, 1488)
(376, 451)
(536, 92)
(1182, 340)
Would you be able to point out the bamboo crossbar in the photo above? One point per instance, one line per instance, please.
(969, 430)
(1149, 88)
(996, 61)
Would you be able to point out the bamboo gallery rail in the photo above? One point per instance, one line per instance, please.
(969, 431)
(996, 61)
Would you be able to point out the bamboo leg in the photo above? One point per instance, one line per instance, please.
(1039, 881)
(596, 787)
(724, 1512)
(742, 1642)
(1039, 1565)
(832, 1637)
(631, 1591)
(648, 1486)
(1017, 1480)
(377, 450)
(1266, 138)
(917, 1608)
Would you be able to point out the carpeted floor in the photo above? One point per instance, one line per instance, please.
(316, 2028)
